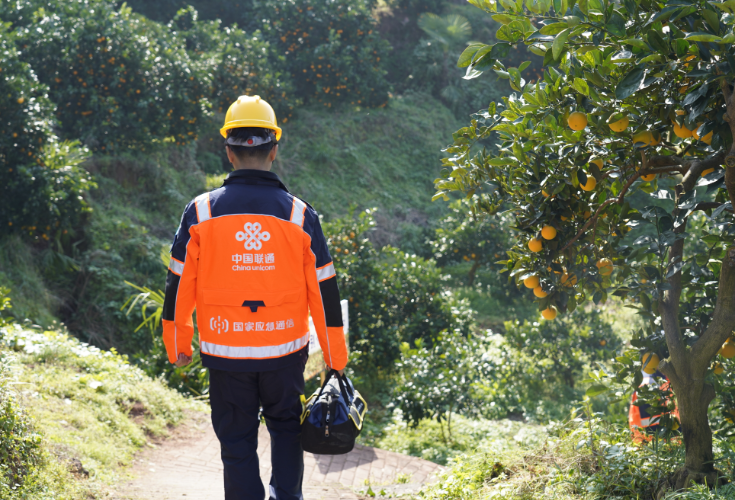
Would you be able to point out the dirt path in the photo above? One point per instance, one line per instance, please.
(187, 466)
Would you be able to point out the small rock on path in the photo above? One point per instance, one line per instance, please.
(187, 466)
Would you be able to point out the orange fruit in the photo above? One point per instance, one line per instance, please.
(531, 282)
(707, 139)
(546, 195)
(674, 425)
(645, 137)
(535, 245)
(603, 342)
(564, 218)
(681, 131)
(591, 183)
(718, 368)
(577, 121)
(599, 162)
(727, 350)
(619, 125)
(708, 171)
(539, 292)
(650, 363)
(549, 313)
(694, 132)
(21, 100)
(649, 177)
(568, 279)
(548, 232)
(605, 266)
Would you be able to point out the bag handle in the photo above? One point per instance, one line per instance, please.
(342, 384)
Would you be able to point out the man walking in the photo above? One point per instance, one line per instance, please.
(253, 261)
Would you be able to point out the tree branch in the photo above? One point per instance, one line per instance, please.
(709, 205)
(593, 219)
(668, 306)
(696, 167)
(723, 319)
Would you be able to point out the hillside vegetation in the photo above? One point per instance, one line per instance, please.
(84, 413)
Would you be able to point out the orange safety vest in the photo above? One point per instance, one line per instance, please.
(253, 261)
(639, 418)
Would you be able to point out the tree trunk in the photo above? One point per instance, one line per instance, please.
(473, 273)
(693, 397)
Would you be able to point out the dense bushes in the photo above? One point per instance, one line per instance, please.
(19, 441)
(41, 182)
(394, 297)
(533, 371)
(332, 49)
(119, 79)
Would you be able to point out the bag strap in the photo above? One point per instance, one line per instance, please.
(344, 388)
(342, 384)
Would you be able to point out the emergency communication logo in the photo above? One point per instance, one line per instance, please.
(218, 324)
(253, 236)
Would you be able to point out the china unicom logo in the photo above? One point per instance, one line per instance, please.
(253, 236)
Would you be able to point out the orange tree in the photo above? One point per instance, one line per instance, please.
(240, 63)
(332, 49)
(119, 80)
(41, 182)
(631, 126)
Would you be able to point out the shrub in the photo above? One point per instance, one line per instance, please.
(239, 63)
(465, 237)
(19, 442)
(41, 181)
(121, 80)
(394, 297)
(438, 380)
(332, 49)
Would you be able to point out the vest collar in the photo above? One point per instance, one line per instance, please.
(247, 176)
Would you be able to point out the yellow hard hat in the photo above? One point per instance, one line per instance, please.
(250, 111)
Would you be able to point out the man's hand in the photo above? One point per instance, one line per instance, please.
(183, 360)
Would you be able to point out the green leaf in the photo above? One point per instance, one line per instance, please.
(702, 37)
(559, 42)
(524, 65)
(596, 390)
(466, 57)
(657, 42)
(553, 29)
(616, 25)
(503, 18)
(664, 14)
(727, 6)
(501, 162)
(712, 19)
(636, 42)
(581, 86)
(630, 83)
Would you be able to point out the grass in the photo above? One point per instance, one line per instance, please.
(385, 158)
(21, 267)
(431, 440)
(583, 458)
(91, 407)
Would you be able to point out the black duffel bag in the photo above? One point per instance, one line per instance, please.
(332, 417)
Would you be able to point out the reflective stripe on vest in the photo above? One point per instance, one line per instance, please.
(326, 272)
(176, 266)
(202, 206)
(244, 352)
(297, 212)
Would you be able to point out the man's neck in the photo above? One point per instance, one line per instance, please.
(260, 166)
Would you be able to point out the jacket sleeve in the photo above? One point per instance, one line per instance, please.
(323, 295)
(180, 300)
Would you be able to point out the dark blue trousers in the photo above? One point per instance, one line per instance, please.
(236, 398)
